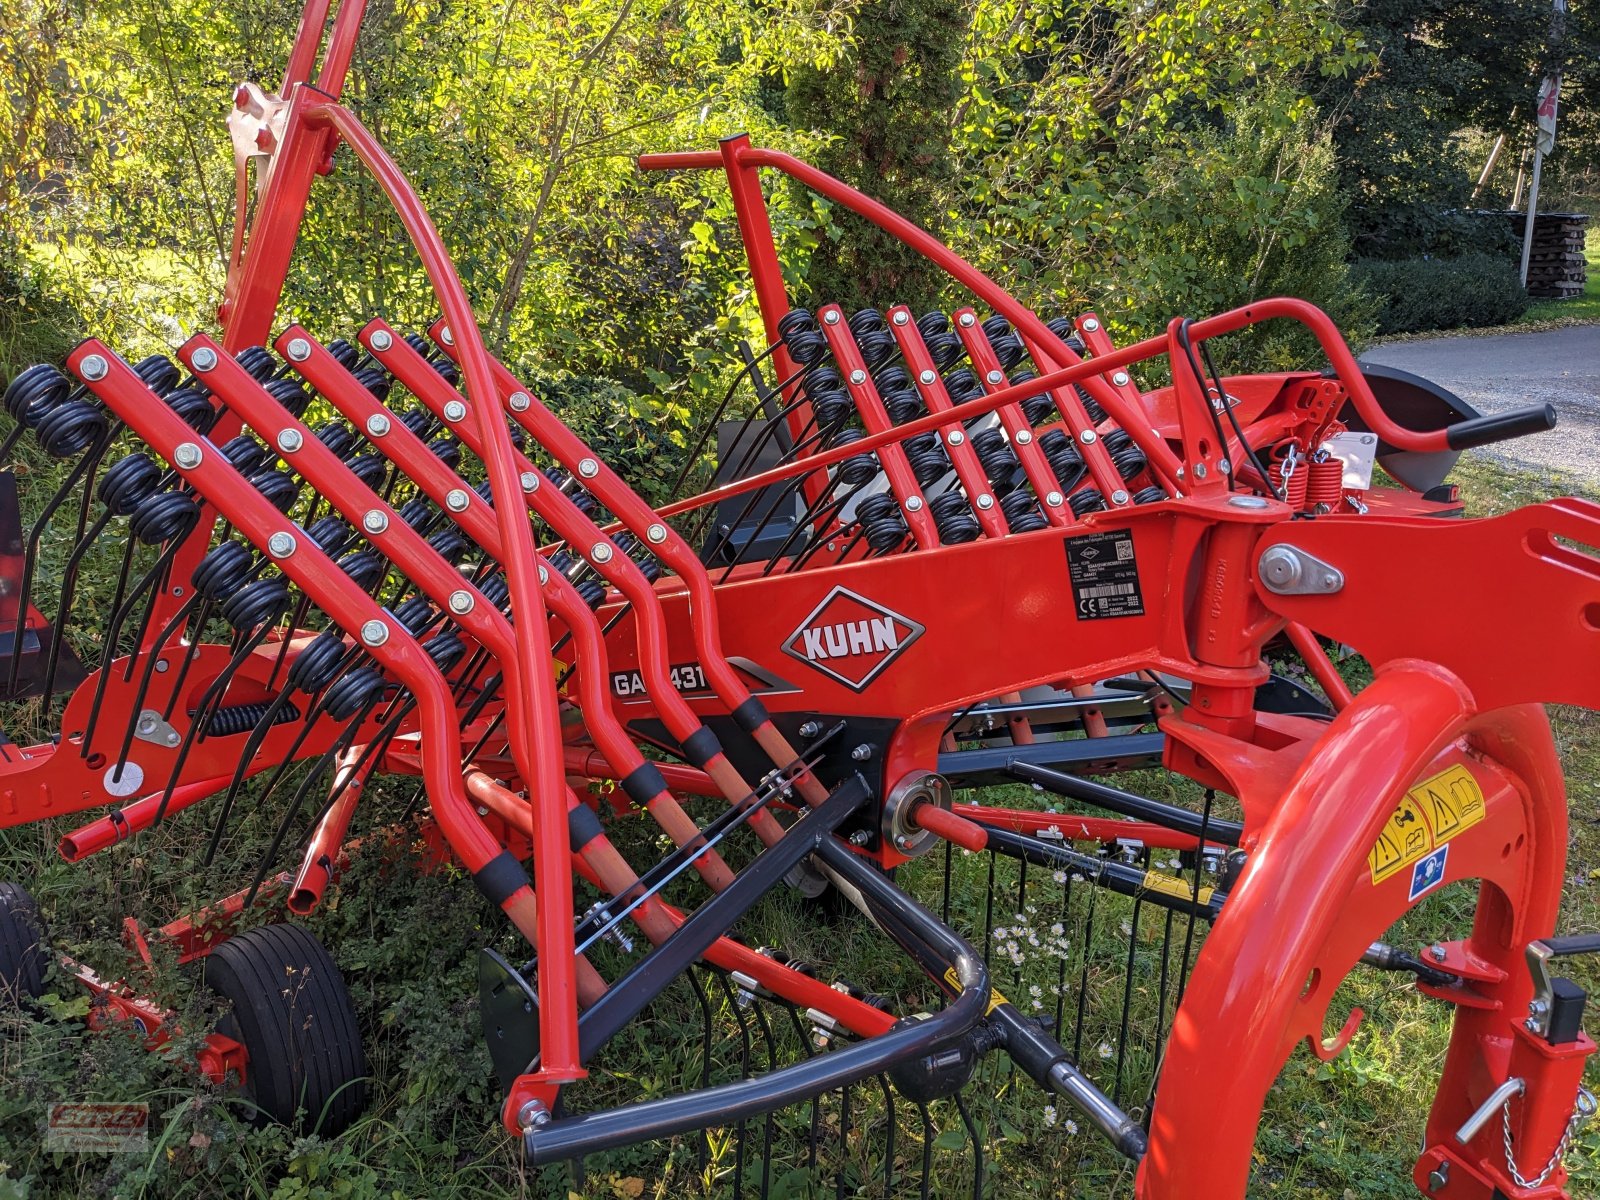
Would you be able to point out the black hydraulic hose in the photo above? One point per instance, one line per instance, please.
(574, 1137)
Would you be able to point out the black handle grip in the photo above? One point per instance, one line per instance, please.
(1481, 431)
(1573, 944)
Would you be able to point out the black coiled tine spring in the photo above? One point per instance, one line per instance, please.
(258, 734)
(289, 627)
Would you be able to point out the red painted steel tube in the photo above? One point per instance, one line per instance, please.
(322, 852)
(913, 505)
(931, 387)
(136, 817)
(1075, 828)
(558, 1028)
(952, 828)
(307, 41)
(341, 47)
(679, 776)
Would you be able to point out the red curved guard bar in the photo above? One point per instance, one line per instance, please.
(558, 1028)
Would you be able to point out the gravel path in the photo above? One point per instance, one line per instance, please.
(1506, 371)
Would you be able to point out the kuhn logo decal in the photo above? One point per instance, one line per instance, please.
(851, 639)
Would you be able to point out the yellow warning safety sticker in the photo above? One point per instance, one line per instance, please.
(1427, 817)
(995, 998)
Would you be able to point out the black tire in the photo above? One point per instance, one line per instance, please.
(24, 958)
(293, 1014)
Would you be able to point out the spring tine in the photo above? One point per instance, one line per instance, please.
(190, 653)
(977, 1146)
(1127, 999)
(1161, 1016)
(270, 854)
(257, 735)
(1083, 975)
(1188, 936)
(702, 1145)
(768, 1123)
(927, 1149)
(291, 623)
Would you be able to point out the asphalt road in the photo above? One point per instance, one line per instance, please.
(1506, 371)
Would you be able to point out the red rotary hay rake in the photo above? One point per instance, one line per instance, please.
(940, 551)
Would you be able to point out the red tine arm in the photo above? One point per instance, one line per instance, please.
(873, 415)
(931, 386)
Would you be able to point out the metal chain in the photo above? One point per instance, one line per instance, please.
(1585, 1109)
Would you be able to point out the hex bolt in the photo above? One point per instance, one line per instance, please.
(955, 437)
(861, 753)
(1024, 436)
(985, 501)
(530, 481)
(454, 410)
(1120, 379)
(858, 377)
(377, 425)
(374, 521)
(280, 544)
(914, 504)
(601, 552)
(994, 377)
(831, 317)
(1053, 499)
(520, 401)
(93, 368)
(656, 534)
(1090, 325)
(445, 336)
(1437, 952)
(461, 603)
(533, 1115)
(381, 340)
(456, 500)
(1087, 437)
(968, 320)
(544, 573)
(374, 633)
(204, 359)
(1200, 470)
(901, 317)
(810, 729)
(290, 440)
(861, 837)
(588, 468)
(1119, 497)
(187, 456)
(298, 349)
(928, 376)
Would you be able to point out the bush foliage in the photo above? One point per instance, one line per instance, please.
(1416, 294)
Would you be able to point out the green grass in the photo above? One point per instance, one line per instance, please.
(1581, 308)
(407, 942)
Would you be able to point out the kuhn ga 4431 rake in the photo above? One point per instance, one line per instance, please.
(942, 551)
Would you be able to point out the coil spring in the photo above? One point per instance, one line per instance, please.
(162, 516)
(450, 544)
(419, 421)
(70, 429)
(1084, 502)
(1290, 465)
(416, 512)
(414, 613)
(1007, 346)
(641, 557)
(246, 455)
(277, 488)
(944, 347)
(255, 360)
(798, 331)
(1022, 511)
(242, 718)
(873, 339)
(927, 457)
(194, 406)
(127, 482)
(881, 522)
(902, 404)
(375, 379)
(446, 649)
(858, 468)
(289, 394)
(370, 469)
(315, 667)
(1325, 482)
(1064, 329)
(999, 460)
(1065, 462)
(337, 437)
(35, 392)
(495, 590)
(962, 386)
(331, 534)
(159, 373)
(1097, 415)
(892, 378)
(831, 413)
(344, 352)
(365, 569)
(953, 519)
(223, 571)
(1149, 495)
(1038, 407)
(447, 450)
(1125, 453)
(348, 694)
(590, 590)
(257, 603)
(585, 503)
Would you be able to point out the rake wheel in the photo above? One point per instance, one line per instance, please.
(24, 956)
